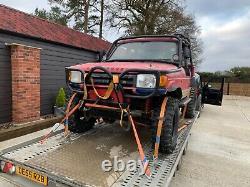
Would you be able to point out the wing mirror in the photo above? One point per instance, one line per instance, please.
(175, 58)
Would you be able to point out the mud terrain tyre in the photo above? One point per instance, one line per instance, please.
(199, 105)
(77, 122)
(169, 132)
(191, 107)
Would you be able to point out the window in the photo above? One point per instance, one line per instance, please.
(145, 51)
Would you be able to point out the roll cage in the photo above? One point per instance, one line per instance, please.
(181, 40)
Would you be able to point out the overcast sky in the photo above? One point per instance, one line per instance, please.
(225, 26)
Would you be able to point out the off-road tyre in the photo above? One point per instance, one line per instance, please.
(191, 107)
(198, 105)
(169, 134)
(77, 122)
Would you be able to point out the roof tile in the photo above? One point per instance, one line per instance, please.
(13, 20)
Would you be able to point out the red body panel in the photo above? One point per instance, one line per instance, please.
(179, 80)
(118, 67)
(176, 79)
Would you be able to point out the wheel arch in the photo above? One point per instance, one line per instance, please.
(175, 92)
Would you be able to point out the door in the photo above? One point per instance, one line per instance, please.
(211, 94)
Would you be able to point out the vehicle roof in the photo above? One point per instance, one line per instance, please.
(174, 37)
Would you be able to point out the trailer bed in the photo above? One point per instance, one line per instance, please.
(76, 161)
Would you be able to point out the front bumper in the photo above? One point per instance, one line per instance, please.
(127, 82)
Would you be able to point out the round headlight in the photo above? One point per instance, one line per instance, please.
(75, 76)
(146, 81)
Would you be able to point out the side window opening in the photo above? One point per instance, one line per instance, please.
(186, 59)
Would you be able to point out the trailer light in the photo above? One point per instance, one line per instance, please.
(163, 80)
(75, 77)
(7, 167)
(146, 81)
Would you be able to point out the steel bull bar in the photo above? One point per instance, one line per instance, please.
(87, 76)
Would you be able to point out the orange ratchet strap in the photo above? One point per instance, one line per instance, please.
(108, 92)
(116, 82)
(68, 114)
(85, 88)
(66, 127)
(145, 162)
(110, 88)
(159, 128)
(116, 79)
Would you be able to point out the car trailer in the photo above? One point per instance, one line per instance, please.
(76, 160)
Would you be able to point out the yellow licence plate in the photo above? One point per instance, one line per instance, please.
(34, 176)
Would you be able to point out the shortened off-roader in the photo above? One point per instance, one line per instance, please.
(148, 78)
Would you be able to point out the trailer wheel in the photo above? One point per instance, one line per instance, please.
(77, 122)
(191, 107)
(169, 132)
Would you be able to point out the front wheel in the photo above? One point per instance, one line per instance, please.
(77, 122)
(169, 134)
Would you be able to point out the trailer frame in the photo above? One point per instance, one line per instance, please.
(162, 172)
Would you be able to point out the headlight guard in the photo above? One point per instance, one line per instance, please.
(153, 74)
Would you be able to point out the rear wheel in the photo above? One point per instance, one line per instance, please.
(198, 105)
(169, 132)
(77, 122)
(190, 113)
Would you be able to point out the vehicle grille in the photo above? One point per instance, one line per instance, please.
(104, 79)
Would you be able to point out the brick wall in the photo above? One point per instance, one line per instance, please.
(25, 65)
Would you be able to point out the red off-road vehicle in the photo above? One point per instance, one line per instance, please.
(138, 73)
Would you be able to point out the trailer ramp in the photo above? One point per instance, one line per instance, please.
(76, 161)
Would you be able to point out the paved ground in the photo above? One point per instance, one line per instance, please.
(219, 148)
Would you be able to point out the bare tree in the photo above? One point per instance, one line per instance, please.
(139, 17)
(101, 19)
(98, 10)
(86, 14)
